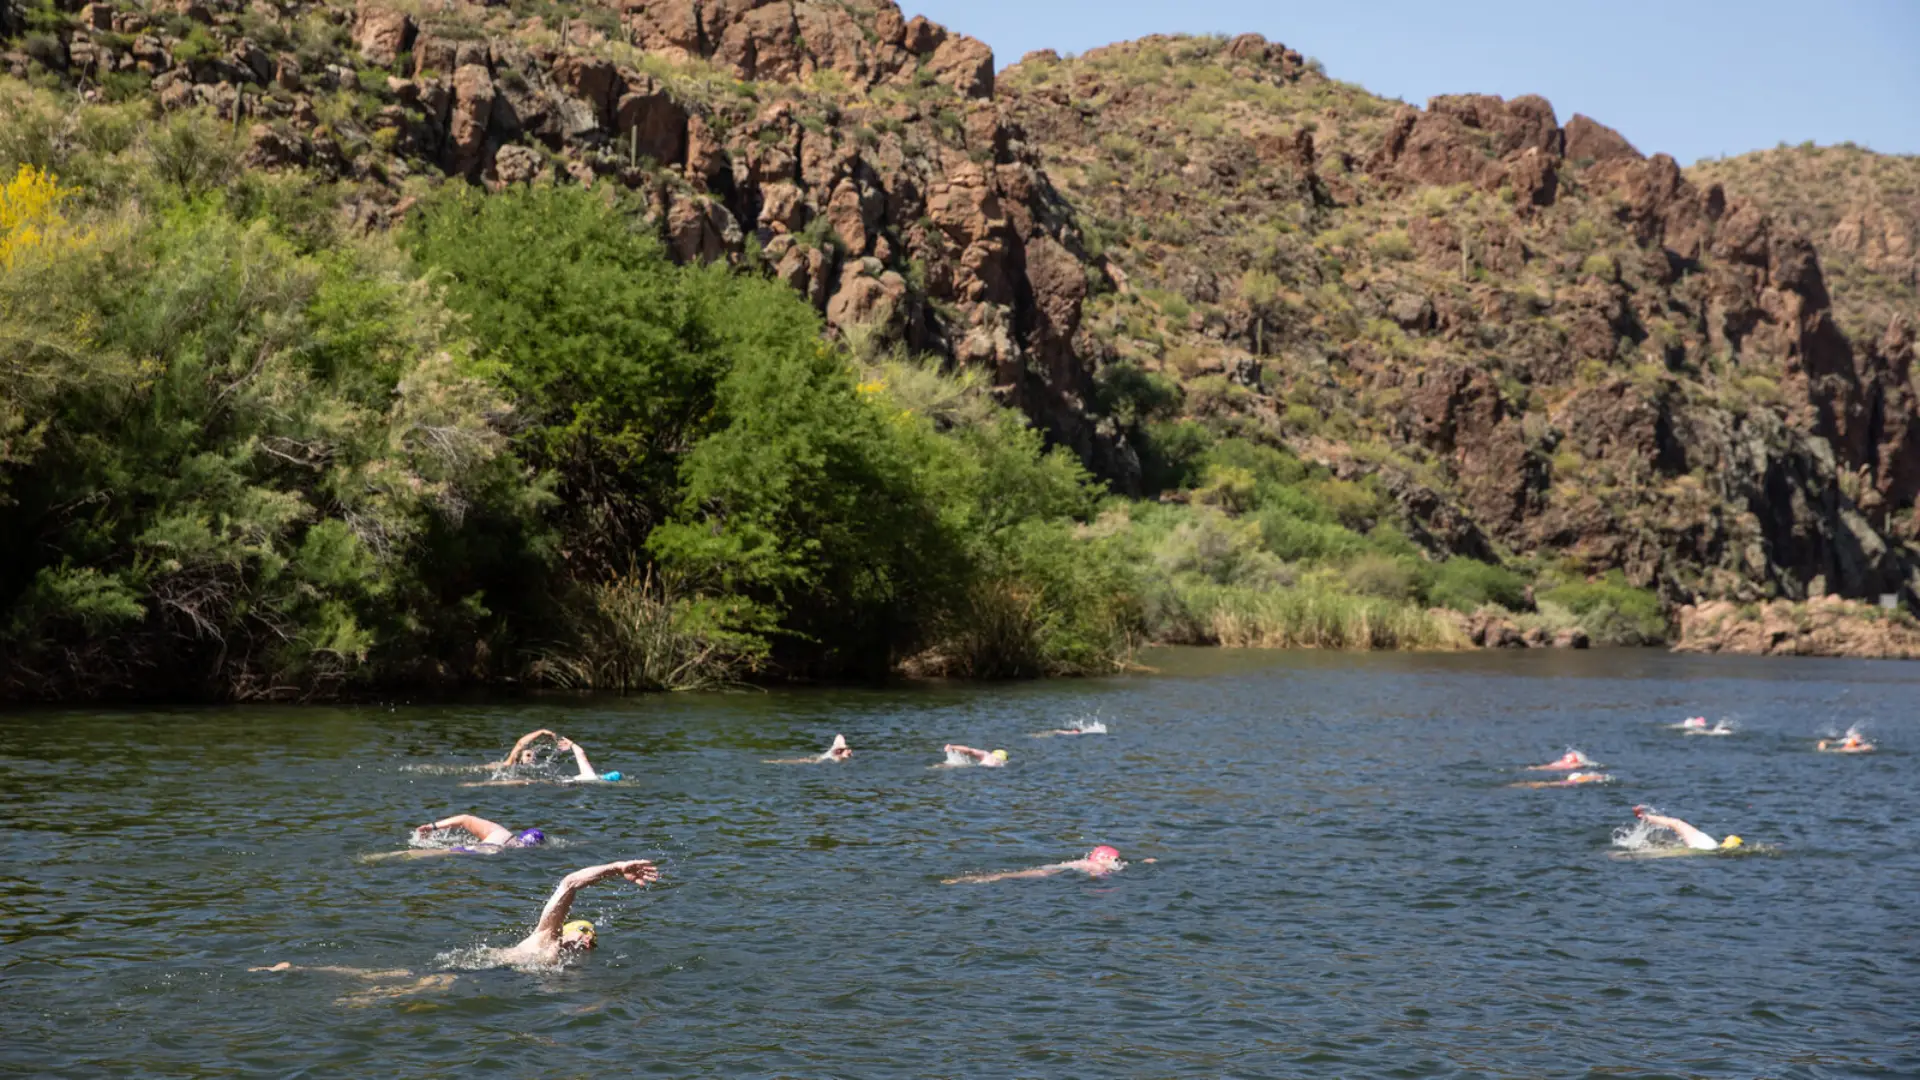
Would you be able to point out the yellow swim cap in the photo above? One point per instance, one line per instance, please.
(1731, 842)
(577, 924)
(998, 755)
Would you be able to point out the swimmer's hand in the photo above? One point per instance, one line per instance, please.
(281, 966)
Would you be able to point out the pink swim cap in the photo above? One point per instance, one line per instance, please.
(1104, 850)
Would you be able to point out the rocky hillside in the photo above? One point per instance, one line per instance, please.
(1545, 344)
(1548, 342)
(857, 155)
(1861, 208)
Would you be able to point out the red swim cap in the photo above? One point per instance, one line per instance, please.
(1109, 852)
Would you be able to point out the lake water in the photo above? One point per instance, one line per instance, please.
(1344, 885)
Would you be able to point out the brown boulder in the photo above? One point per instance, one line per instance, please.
(1534, 176)
(701, 229)
(591, 80)
(782, 209)
(864, 299)
(921, 36)
(764, 43)
(1439, 150)
(964, 63)
(1572, 638)
(1059, 283)
(517, 165)
(1824, 626)
(382, 34)
(1524, 122)
(672, 27)
(473, 97)
(1588, 141)
(853, 214)
(270, 149)
(652, 124)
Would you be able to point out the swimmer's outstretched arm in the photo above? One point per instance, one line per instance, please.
(580, 759)
(487, 832)
(956, 748)
(553, 917)
(1689, 835)
(526, 740)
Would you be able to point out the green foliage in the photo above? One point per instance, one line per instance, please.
(1466, 584)
(700, 419)
(613, 353)
(249, 491)
(1612, 611)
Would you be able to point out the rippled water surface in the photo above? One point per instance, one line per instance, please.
(1344, 885)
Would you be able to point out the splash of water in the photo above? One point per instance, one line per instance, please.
(1086, 726)
(1637, 837)
(956, 759)
(440, 839)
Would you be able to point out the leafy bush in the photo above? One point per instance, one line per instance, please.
(1466, 584)
(1612, 611)
(265, 488)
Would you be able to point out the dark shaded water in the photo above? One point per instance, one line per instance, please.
(1345, 886)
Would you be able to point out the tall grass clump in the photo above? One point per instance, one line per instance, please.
(640, 631)
(1313, 618)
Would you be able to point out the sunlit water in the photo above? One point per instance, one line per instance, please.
(1345, 884)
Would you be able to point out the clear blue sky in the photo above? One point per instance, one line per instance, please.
(1693, 78)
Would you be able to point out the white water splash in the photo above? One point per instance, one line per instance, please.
(1639, 836)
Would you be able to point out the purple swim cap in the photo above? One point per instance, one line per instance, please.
(528, 838)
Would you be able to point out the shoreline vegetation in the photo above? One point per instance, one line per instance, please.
(249, 451)
(247, 456)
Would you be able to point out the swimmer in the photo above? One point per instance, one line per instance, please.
(958, 755)
(1689, 836)
(554, 939)
(489, 837)
(1853, 743)
(522, 754)
(586, 774)
(1572, 759)
(1573, 779)
(1692, 723)
(839, 751)
(1099, 862)
(1080, 727)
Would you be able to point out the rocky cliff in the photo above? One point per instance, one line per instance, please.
(1548, 341)
(1546, 344)
(1861, 208)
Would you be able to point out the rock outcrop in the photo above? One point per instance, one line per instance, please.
(1825, 626)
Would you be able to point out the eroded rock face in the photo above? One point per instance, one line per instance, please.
(867, 43)
(382, 34)
(1824, 626)
(1476, 139)
(1587, 142)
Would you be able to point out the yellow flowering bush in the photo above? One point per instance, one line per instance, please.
(30, 212)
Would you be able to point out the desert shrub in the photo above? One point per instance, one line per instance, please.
(1612, 611)
(1466, 584)
(1383, 576)
(268, 490)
